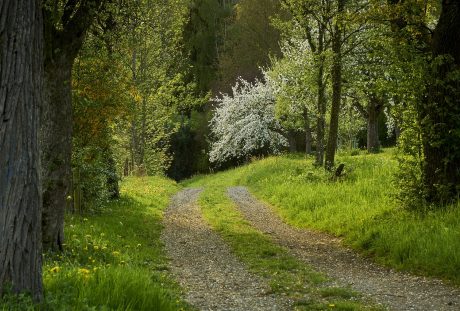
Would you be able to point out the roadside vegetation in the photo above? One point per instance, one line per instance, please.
(113, 259)
(360, 206)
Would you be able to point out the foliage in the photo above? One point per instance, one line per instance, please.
(244, 124)
(97, 107)
(248, 40)
(359, 208)
(293, 79)
(203, 38)
(114, 259)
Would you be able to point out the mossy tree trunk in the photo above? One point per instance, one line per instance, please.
(63, 40)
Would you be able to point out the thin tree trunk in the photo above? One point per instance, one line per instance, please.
(374, 109)
(21, 92)
(336, 91)
(112, 177)
(292, 141)
(308, 136)
(56, 146)
(321, 104)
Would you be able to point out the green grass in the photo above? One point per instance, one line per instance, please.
(285, 274)
(113, 260)
(359, 207)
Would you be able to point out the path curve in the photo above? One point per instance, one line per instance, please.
(203, 264)
(396, 290)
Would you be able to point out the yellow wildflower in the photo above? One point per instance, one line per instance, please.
(55, 269)
(83, 271)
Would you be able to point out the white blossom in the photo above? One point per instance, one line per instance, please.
(244, 124)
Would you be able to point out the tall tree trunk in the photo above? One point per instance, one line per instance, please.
(336, 90)
(62, 44)
(21, 92)
(374, 109)
(307, 128)
(291, 135)
(112, 176)
(56, 142)
(440, 112)
(321, 101)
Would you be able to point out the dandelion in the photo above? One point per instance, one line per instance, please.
(115, 253)
(96, 247)
(55, 269)
(331, 305)
(83, 271)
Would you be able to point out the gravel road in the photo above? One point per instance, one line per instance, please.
(213, 278)
(395, 290)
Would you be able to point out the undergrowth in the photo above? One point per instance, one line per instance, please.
(360, 207)
(112, 260)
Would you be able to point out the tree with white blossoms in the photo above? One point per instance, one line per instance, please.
(294, 81)
(244, 124)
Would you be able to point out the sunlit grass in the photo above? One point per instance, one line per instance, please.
(360, 207)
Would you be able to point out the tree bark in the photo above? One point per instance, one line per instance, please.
(374, 109)
(56, 142)
(291, 135)
(21, 92)
(308, 136)
(62, 44)
(321, 101)
(336, 90)
(440, 110)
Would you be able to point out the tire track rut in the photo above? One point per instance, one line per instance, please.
(395, 290)
(213, 278)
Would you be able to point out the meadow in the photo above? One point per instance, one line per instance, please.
(361, 207)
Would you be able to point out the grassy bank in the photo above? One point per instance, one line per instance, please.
(358, 207)
(112, 260)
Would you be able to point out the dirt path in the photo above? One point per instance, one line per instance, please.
(203, 264)
(398, 291)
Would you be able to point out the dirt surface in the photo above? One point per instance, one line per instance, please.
(392, 289)
(203, 264)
